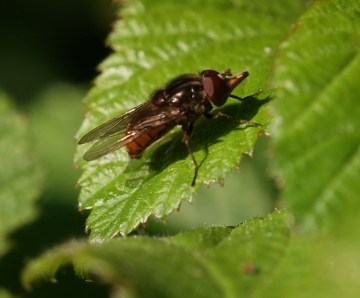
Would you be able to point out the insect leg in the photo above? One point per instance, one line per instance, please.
(221, 114)
(188, 131)
(246, 97)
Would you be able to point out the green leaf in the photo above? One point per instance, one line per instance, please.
(206, 262)
(154, 43)
(316, 141)
(5, 294)
(317, 130)
(55, 114)
(20, 176)
(260, 258)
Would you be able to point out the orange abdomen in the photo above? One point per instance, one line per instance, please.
(137, 147)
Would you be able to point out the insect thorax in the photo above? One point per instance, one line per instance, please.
(187, 92)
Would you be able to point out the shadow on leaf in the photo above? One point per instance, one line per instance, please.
(206, 133)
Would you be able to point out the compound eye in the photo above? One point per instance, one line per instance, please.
(215, 87)
(209, 72)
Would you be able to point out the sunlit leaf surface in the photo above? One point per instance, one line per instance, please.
(154, 43)
(317, 130)
(205, 262)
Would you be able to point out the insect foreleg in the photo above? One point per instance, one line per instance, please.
(188, 130)
(221, 114)
(246, 97)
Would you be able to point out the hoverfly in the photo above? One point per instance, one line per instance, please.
(181, 102)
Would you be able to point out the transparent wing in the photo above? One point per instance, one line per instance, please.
(116, 126)
(111, 143)
(125, 128)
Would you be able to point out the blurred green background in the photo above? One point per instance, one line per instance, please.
(48, 56)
